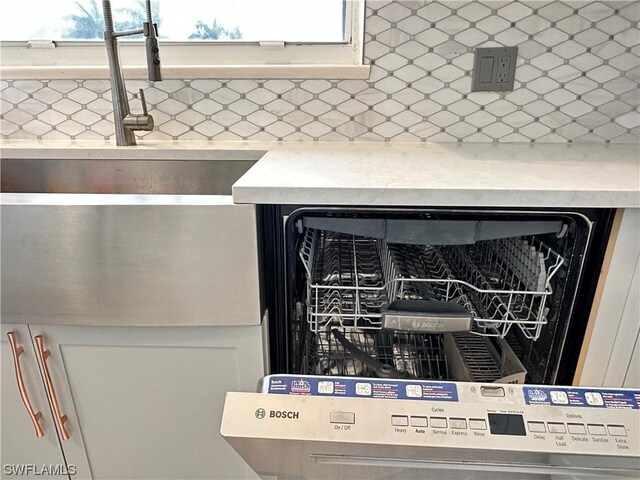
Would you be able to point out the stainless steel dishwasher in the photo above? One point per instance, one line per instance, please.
(431, 343)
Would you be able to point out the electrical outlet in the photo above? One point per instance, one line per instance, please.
(494, 69)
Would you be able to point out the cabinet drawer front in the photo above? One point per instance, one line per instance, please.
(134, 262)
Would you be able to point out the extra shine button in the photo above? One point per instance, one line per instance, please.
(343, 417)
(617, 430)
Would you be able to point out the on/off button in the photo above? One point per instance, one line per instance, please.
(343, 417)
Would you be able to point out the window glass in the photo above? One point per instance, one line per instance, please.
(178, 20)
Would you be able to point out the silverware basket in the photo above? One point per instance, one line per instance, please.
(351, 280)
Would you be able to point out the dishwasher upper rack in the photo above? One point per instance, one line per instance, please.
(351, 279)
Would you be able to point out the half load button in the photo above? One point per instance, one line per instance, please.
(555, 427)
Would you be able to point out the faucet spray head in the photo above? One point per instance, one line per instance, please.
(151, 46)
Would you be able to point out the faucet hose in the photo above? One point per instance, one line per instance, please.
(108, 17)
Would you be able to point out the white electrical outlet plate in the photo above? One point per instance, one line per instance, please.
(494, 69)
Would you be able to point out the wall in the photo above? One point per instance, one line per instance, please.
(576, 81)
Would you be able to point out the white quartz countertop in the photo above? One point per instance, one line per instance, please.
(396, 174)
(430, 174)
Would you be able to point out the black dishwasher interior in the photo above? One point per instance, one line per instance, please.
(446, 294)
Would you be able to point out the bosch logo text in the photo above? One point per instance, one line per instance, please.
(284, 414)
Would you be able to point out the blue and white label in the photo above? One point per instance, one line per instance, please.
(582, 397)
(363, 388)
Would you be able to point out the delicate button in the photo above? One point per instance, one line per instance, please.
(576, 428)
(477, 424)
(399, 420)
(595, 429)
(438, 422)
(343, 417)
(536, 427)
(457, 423)
(556, 427)
(617, 430)
(418, 421)
(492, 391)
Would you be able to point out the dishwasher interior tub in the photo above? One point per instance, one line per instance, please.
(514, 275)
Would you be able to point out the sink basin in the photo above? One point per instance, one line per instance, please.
(137, 177)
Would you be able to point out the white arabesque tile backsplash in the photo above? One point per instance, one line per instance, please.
(577, 80)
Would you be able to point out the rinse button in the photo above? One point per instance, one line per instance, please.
(399, 420)
(343, 417)
(477, 424)
(617, 430)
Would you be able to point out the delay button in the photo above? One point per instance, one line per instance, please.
(343, 417)
(536, 427)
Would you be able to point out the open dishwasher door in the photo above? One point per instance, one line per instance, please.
(315, 427)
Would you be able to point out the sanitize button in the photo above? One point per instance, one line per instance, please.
(596, 429)
(536, 427)
(343, 417)
(399, 420)
(617, 430)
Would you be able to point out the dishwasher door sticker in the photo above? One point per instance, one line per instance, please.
(362, 388)
(581, 397)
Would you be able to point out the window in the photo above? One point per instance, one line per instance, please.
(216, 38)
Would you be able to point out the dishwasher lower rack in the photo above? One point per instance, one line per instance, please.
(501, 283)
(450, 356)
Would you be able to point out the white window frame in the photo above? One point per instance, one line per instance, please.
(37, 59)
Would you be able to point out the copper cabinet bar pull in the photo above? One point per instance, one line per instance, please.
(60, 419)
(17, 351)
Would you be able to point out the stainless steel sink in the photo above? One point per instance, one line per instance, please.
(139, 177)
(128, 242)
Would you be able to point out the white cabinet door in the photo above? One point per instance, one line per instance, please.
(146, 402)
(24, 454)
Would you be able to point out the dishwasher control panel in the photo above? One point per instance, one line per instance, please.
(549, 419)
